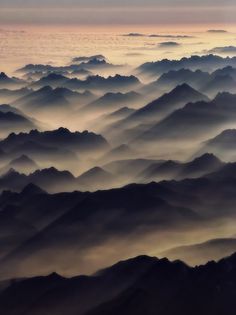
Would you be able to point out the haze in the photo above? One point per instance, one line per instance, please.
(106, 12)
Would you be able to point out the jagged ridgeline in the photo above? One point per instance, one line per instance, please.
(100, 162)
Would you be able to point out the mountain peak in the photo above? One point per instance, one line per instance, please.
(32, 189)
(186, 88)
(23, 158)
(207, 157)
(3, 75)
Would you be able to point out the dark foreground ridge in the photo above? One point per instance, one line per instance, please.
(142, 285)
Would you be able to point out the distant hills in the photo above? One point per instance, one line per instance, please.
(47, 98)
(7, 82)
(61, 137)
(223, 145)
(218, 113)
(199, 253)
(205, 63)
(12, 121)
(113, 101)
(200, 166)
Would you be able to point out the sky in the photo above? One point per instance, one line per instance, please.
(117, 12)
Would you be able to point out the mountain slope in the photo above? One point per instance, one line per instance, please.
(135, 286)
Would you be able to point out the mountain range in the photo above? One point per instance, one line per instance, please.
(140, 284)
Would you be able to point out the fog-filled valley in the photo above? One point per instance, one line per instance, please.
(103, 161)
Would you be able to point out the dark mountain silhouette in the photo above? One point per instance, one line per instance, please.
(117, 83)
(33, 76)
(9, 96)
(198, 118)
(144, 118)
(95, 178)
(61, 138)
(88, 58)
(45, 69)
(97, 64)
(200, 253)
(221, 80)
(22, 164)
(220, 83)
(138, 285)
(9, 83)
(47, 98)
(24, 214)
(207, 63)
(227, 71)
(32, 190)
(10, 121)
(167, 103)
(111, 214)
(223, 145)
(197, 79)
(225, 172)
(200, 166)
(176, 281)
(165, 180)
(159, 171)
(42, 153)
(168, 170)
(113, 101)
(50, 180)
(5, 108)
(94, 64)
(53, 79)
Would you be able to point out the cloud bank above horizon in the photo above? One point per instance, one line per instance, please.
(113, 12)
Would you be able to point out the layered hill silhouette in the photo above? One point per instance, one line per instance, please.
(22, 164)
(207, 63)
(102, 162)
(141, 284)
(221, 80)
(116, 214)
(199, 119)
(223, 145)
(62, 137)
(198, 167)
(116, 83)
(7, 82)
(11, 121)
(85, 63)
(197, 254)
(175, 99)
(145, 117)
(107, 214)
(113, 101)
(49, 99)
(9, 96)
